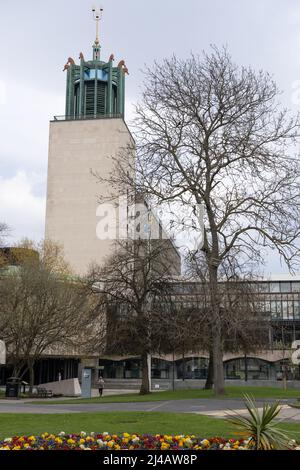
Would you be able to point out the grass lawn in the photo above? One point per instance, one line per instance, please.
(133, 422)
(231, 392)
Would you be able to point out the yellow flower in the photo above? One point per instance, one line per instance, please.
(110, 443)
(117, 447)
(81, 441)
(17, 448)
(125, 434)
(58, 440)
(70, 441)
(205, 443)
(125, 440)
(31, 438)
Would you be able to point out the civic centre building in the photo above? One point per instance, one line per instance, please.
(86, 141)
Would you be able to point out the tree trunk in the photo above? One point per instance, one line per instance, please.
(217, 340)
(31, 378)
(173, 371)
(145, 375)
(219, 384)
(246, 368)
(183, 366)
(210, 373)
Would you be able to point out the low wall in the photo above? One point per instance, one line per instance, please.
(69, 387)
(164, 384)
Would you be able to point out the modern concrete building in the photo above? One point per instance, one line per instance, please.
(278, 296)
(82, 143)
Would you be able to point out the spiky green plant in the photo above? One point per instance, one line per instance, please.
(259, 427)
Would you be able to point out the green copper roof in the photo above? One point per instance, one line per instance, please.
(95, 87)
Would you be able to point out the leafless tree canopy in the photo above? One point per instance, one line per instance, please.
(208, 131)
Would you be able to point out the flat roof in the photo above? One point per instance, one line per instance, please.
(265, 278)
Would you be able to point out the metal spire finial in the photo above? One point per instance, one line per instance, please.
(97, 15)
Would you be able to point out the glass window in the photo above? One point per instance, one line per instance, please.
(274, 287)
(297, 309)
(267, 306)
(295, 286)
(290, 306)
(276, 309)
(285, 287)
(264, 287)
(285, 310)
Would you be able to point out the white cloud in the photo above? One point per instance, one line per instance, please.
(3, 92)
(20, 208)
(24, 126)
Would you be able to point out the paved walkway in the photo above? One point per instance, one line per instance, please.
(209, 407)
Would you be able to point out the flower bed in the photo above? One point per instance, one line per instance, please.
(125, 441)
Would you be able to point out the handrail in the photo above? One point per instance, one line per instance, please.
(87, 116)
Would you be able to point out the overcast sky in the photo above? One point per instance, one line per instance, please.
(37, 37)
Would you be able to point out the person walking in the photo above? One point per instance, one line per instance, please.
(100, 383)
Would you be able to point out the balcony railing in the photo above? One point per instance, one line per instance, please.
(81, 117)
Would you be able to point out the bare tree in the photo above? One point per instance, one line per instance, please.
(4, 231)
(50, 252)
(41, 313)
(134, 286)
(209, 132)
(186, 325)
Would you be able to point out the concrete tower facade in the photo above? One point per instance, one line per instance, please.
(82, 142)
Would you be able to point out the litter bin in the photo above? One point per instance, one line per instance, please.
(12, 387)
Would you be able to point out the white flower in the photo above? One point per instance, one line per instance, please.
(62, 433)
(92, 434)
(83, 434)
(8, 439)
(136, 439)
(100, 443)
(105, 433)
